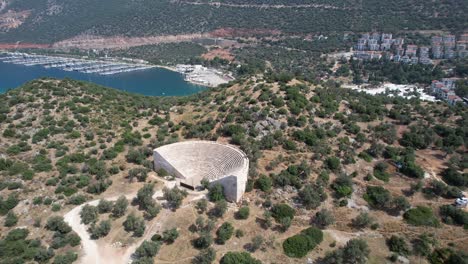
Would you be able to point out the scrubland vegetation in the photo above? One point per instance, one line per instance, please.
(328, 162)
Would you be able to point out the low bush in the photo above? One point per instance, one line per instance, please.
(421, 216)
(281, 211)
(238, 258)
(299, 245)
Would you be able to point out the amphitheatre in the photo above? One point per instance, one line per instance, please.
(193, 161)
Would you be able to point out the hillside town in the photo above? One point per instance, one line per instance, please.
(378, 46)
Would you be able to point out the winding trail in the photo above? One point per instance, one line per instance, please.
(89, 246)
(93, 253)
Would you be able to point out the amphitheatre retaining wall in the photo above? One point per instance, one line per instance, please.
(191, 161)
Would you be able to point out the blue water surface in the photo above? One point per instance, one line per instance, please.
(154, 82)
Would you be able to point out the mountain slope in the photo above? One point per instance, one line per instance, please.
(51, 21)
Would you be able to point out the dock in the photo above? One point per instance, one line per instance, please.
(101, 67)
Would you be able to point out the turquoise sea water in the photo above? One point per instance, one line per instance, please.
(154, 82)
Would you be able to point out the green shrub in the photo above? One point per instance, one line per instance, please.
(452, 177)
(377, 197)
(238, 258)
(421, 216)
(333, 163)
(68, 258)
(100, 230)
(10, 219)
(224, 233)
(343, 186)
(380, 171)
(216, 192)
(313, 233)
(147, 249)
(297, 246)
(243, 213)
(264, 183)
(454, 216)
(281, 211)
(398, 245)
(170, 235)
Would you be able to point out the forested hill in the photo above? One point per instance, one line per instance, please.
(46, 21)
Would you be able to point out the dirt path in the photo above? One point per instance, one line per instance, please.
(89, 246)
(95, 254)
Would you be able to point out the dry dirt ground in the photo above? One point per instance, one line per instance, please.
(220, 53)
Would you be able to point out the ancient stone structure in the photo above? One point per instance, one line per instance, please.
(192, 161)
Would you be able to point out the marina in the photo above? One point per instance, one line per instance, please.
(155, 81)
(83, 65)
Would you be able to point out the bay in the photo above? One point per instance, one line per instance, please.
(152, 82)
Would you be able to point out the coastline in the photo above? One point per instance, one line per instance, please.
(200, 76)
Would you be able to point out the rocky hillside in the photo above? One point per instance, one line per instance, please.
(48, 21)
(362, 178)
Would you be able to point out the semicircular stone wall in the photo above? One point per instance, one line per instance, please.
(192, 161)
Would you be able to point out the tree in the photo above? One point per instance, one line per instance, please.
(174, 197)
(206, 256)
(135, 224)
(68, 258)
(104, 206)
(57, 224)
(323, 218)
(452, 177)
(454, 216)
(398, 245)
(11, 219)
(224, 233)
(120, 207)
(297, 246)
(205, 183)
(311, 196)
(314, 234)
(264, 183)
(219, 209)
(356, 251)
(216, 192)
(204, 241)
(89, 214)
(201, 206)
(141, 174)
(243, 213)
(43, 255)
(343, 186)
(152, 211)
(421, 216)
(238, 258)
(257, 242)
(267, 219)
(147, 249)
(447, 256)
(144, 197)
(100, 230)
(281, 211)
(377, 197)
(333, 163)
(422, 246)
(170, 235)
(363, 220)
(400, 203)
(380, 171)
